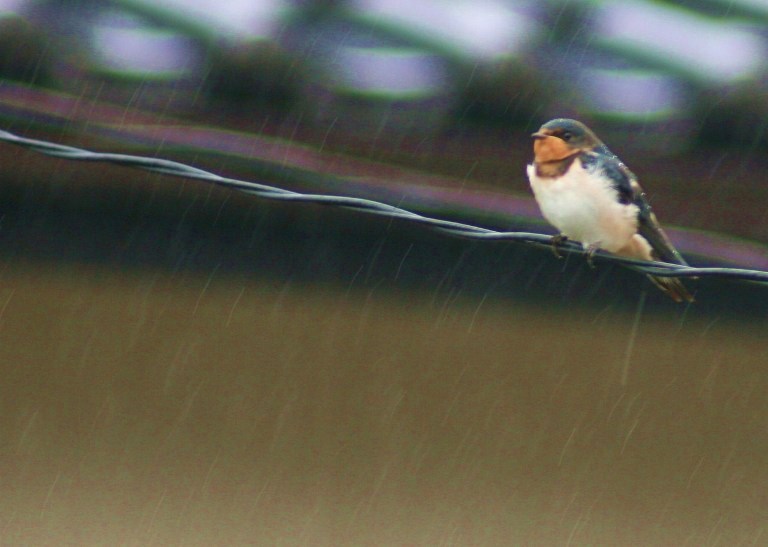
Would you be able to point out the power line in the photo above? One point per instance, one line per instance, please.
(177, 169)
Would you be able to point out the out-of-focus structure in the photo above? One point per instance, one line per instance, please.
(187, 364)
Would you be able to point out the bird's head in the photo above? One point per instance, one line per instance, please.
(562, 138)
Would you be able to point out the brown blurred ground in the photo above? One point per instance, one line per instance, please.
(153, 408)
(183, 365)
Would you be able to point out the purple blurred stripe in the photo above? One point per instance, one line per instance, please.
(148, 132)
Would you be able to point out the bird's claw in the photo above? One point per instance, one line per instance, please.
(556, 240)
(591, 250)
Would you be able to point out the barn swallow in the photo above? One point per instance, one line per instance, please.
(590, 196)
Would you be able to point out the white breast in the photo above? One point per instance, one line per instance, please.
(585, 207)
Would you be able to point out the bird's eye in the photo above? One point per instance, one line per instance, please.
(566, 136)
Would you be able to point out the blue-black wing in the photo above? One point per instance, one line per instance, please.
(629, 192)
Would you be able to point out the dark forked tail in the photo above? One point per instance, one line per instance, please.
(673, 287)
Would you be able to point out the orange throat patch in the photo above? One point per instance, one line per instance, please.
(552, 156)
(549, 149)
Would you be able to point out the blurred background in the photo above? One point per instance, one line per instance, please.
(185, 364)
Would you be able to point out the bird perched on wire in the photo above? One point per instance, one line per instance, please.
(590, 196)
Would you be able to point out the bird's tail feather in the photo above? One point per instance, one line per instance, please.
(673, 287)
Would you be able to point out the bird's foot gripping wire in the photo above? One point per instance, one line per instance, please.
(559, 239)
(590, 252)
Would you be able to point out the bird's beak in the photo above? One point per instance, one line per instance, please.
(539, 135)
